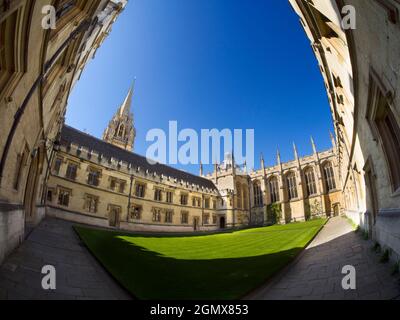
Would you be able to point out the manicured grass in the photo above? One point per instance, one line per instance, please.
(218, 266)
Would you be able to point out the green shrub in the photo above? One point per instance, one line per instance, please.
(385, 256)
(274, 213)
(396, 268)
(377, 247)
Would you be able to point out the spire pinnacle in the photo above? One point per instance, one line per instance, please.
(313, 145)
(262, 162)
(126, 105)
(278, 156)
(332, 139)
(121, 131)
(296, 154)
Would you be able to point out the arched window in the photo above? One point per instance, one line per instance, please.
(291, 186)
(121, 131)
(239, 195)
(310, 182)
(329, 177)
(258, 197)
(7, 40)
(13, 45)
(274, 189)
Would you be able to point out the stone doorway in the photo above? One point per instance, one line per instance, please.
(195, 223)
(222, 223)
(114, 216)
(336, 210)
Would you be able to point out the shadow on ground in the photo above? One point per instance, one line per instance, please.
(150, 275)
(318, 274)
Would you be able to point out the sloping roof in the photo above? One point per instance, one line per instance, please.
(71, 135)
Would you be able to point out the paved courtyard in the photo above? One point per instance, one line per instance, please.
(315, 275)
(317, 272)
(79, 275)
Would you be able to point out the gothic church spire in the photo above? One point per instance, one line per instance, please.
(121, 131)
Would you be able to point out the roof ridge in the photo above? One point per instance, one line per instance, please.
(135, 154)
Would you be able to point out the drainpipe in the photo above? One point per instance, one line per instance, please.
(202, 210)
(249, 199)
(129, 199)
(54, 148)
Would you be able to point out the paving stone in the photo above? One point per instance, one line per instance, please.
(321, 265)
(54, 242)
(299, 291)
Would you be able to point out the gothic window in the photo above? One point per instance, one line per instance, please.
(310, 182)
(13, 44)
(207, 203)
(136, 212)
(94, 177)
(185, 217)
(169, 216)
(122, 185)
(57, 166)
(72, 170)
(50, 195)
(121, 131)
(329, 177)
(91, 203)
(214, 204)
(385, 127)
(113, 183)
(196, 202)
(274, 190)
(7, 40)
(214, 219)
(184, 199)
(63, 197)
(390, 135)
(169, 197)
(291, 186)
(207, 218)
(258, 197)
(140, 190)
(158, 195)
(156, 215)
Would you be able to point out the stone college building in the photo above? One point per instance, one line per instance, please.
(47, 168)
(101, 182)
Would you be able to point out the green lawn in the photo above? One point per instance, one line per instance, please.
(218, 266)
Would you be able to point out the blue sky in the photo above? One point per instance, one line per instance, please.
(209, 64)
